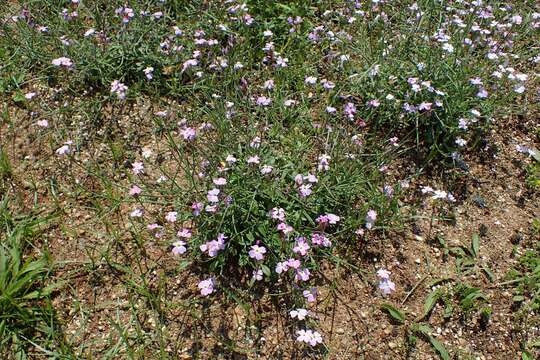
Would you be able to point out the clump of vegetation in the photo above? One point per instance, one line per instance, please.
(252, 143)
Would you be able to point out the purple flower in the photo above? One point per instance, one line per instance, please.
(302, 275)
(119, 89)
(179, 247)
(383, 274)
(197, 207)
(305, 190)
(257, 275)
(263, 101)
(349, 109)
(371, 216)
(188, 133)
(206, 287)
(387, 286)
(310, 295)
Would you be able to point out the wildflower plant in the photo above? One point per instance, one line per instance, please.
(274, 126)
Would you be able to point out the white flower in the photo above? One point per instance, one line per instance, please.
(300, 314)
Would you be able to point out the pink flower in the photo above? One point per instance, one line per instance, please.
(281, 267)
(320, 240)
(266, 169)
(310, 337)
(301, 247)
(189, 63)
(197, 207)
(135, 190)
(63, 61)
(220, 181)
(257, 252)
(171, 216)
(119, 89)
(136, 213)
(188, 133)
(253, 160)
(137, 167)
(42, 123)
(300, 314)
(184, 233)
(213, 247)
(30, 95)
(286, 229)
(206, 287)
(328, 219)
(383, 274)
(294, 263)
(212, 195)
(277, 214)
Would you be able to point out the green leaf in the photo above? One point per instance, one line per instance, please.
(423, 329)
(489, 274)
(430, 302)
(285, 7)
(266, 270)
(19, 97)
(475, 245)
(535, 154)
(439, 347)
(395, 313)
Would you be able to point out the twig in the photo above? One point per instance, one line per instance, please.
(413, 289)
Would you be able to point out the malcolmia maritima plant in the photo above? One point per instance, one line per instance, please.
(294, 159)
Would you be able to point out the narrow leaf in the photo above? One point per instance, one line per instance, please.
(475, 245)
(439, 347)
(395, 313)
(430, 302)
